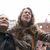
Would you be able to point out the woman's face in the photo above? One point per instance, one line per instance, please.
(26, 15)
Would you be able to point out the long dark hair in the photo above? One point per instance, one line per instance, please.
(20, 29)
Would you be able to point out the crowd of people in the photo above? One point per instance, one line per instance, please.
(24, 35)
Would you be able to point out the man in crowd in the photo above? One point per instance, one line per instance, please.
(6, 39)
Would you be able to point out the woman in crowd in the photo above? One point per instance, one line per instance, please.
(25, 32)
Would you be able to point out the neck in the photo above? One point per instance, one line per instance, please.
(2, 30)
(25, 24)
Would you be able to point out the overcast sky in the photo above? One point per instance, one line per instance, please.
(12, 8)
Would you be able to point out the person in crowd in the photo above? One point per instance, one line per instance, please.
(48, 47)
(26, 33)
(43, 47)
(6, 39)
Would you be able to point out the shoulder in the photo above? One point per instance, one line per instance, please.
(6, 35)
(9, 34)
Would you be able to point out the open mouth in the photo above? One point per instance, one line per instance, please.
(4, 22)
(26, 17)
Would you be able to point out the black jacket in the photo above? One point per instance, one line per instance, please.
(6, 42)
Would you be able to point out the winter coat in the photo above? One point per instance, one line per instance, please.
(6, 41)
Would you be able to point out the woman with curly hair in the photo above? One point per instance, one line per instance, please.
(25, 32)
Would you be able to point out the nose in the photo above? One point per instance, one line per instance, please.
(4, 19)
(27, 14)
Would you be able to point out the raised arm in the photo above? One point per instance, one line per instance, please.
(44, 37)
